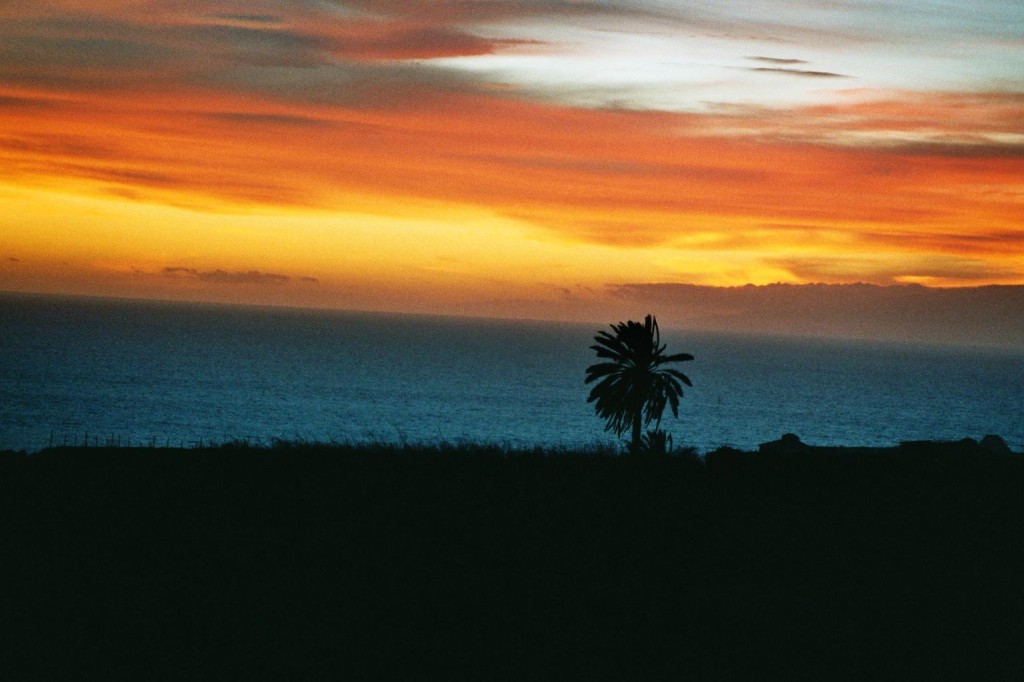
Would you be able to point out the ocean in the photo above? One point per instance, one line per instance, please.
(154, 373)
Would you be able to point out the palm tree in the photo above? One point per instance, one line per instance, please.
(633, 387)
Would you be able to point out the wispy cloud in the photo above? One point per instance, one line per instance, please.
(246, 19)
(805, 73)
(266, 119)
(788, 67)
(778, 60)
(384, 41)
(233, 277)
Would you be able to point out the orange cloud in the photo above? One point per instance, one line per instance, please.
(625, 178)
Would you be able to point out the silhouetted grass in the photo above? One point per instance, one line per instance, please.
(354, 561)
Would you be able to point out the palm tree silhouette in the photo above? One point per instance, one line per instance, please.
(633, 388)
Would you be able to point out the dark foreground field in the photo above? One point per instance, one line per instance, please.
(356, 562)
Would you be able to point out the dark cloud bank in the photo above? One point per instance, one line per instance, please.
(988, 315)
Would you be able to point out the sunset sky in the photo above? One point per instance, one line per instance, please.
(531, 158)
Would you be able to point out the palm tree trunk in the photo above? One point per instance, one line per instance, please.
(637, 441)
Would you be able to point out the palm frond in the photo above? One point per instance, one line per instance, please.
(678, 357)
(679, 375)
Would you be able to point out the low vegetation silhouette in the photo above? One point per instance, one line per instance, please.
(633, 385)
(462, 561)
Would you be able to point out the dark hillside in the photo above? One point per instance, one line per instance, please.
(353, 562)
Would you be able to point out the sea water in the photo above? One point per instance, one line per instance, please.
(141, 373)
